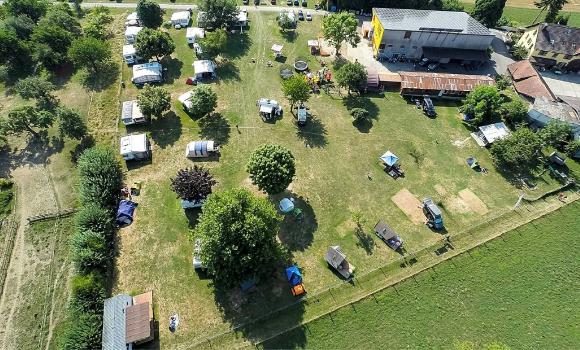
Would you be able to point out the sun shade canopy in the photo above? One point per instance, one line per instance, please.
(389, 158)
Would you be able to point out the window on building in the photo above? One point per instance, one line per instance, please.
(407, 35)
(389, 45)
(567, 57)
(382, 46)
(555, 54)
(542, 53)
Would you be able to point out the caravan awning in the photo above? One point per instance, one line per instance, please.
(266, 109)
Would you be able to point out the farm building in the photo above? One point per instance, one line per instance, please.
(204, 69)
(131, 34)
(147, 73)
(131, 113)
(440, 36)
(488, 134)
(440, 85)
(135, 147)
(181, 19)
(552, 46)
(127, 321)
(528, 82)
(193, 33)
(544, 111)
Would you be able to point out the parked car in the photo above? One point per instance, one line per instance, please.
(289, 2)
(424, 62)
(432, 66)
(308, 16)
(300, 15)
(296, 2)
(428, 107)
(245, 2)
(304, 3)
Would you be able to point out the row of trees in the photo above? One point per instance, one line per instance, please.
(92, 247)
(489, 12)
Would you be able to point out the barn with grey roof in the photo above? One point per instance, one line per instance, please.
(440, 36)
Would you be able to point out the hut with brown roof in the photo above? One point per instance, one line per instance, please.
(528, 82)
(440, 84)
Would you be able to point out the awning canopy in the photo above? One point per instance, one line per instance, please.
(437, 53)
(313, 43)
(389, 158)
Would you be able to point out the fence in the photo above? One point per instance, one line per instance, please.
(10, 228)
(55, 215)
(346, 293)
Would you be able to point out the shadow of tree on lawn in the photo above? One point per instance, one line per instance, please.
(215, 127)
(313, 134)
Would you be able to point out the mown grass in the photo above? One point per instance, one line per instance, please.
(335, 160)
(6, 200)
(521, 291)
(525, 16)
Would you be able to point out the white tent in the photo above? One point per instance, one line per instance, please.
(242, 18)
(488, 134)
(135, 147)
(185, 100)
(147, 73)
(181, 18)
(132, 20)
(131, 34)
(198, 149)
(130, 54)
(204, 69)
(131, 113)
(193, 33)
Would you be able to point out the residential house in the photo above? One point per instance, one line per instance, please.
(528, 82)
(552, 46)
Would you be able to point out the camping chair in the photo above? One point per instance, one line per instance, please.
(298, 215)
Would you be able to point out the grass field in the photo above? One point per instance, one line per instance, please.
(521, 291)
(334, 162)
(526, 15)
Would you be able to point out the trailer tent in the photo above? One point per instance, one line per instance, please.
(294, 275)
(204, 69)
(147, 73)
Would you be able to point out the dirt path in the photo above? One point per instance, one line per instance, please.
(35, 195)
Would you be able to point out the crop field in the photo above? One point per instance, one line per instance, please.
(338, 173)
(519, 291)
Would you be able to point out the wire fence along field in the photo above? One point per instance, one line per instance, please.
(8, 228)
(411, 263)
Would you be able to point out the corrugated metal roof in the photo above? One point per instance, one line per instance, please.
(114, 322)
(430, 21)
(439, 81)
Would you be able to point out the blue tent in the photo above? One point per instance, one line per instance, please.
(125, 212)
(294, 276)
(389, 158)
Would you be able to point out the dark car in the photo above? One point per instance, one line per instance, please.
(428, 107)
(256, 2)
(300, 15)
(296, 2)
(304, 3)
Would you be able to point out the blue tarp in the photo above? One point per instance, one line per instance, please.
(286, 205)
(294, 275)
(125, 212)
(389, 158)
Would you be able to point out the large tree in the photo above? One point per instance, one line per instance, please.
(219, 13)
(38, 89)
(556, 134)
(31, 8)
(97, 21)
(51, 44)
(553, 7)
(153, 43)
(193, 184)
(70, 123)
(271, 168)
(214, 43)
(352, 76)
(27, 119)
(100, 177)
(514, 111)
(296, 89)
(203, 101)
(482, 104)
(61, 15)
(21, 25)
(488, 12)
(285, 22)
(238, 232)
(154, 101)
(341, 27)
(517, 152)
(90, 53)
(150, 13)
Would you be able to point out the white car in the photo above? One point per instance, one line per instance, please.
(308, 16)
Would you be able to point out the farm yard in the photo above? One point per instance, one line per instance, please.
(341, 188)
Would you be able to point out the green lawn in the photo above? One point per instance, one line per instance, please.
(525, 16)
(334, 162)
(6, 200)
(521, 290)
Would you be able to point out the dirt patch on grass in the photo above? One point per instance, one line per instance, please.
(410, 205)
(440, 189)
(473, 201)
(247, 184)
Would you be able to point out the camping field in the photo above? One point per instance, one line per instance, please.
(520, 291)
(338, 174)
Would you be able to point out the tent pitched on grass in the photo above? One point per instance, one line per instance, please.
(125, 212)
(389, 158)
(294, 275)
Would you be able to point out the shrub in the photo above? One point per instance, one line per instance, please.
(90, 251)
(83, 332)
(359, 113)
(92, 217)
(100, 177)
(271, 168)
(87, 293)
(193, 184)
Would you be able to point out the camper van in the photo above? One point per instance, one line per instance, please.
(131, 113)
(135, 147)
(151, 72)
(130, 54)
(131, 34)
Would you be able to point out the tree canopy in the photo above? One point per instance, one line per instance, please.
(518, 151)
(285, 22)
(488, 12)
(296, 89)
(556, 134)
(20, 25)
(553, 7)
(31, 8)
(514, 111)
(153, 43)
(61, 15)
(90, 251)
(100, 177)
(219, 13)
(70, 124)
(203, 101)
(482, 104)
(214, 43)
(271, 168)
(150, 13)
(90, 53)
(27, 119)
(96, 22)
(352, 76)
(154, 101)
(238, 232)
(193, 184)
(341, 27)
(38, 89)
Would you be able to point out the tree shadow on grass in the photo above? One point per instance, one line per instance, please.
(228, 70)
(289, 35)
(237, 45)
(364, 125)
(172, 69)
(36, 151)
(215, 127)
(365, 241)
(297, 233)
(313, 134)
(107, 75)
(167, 129)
